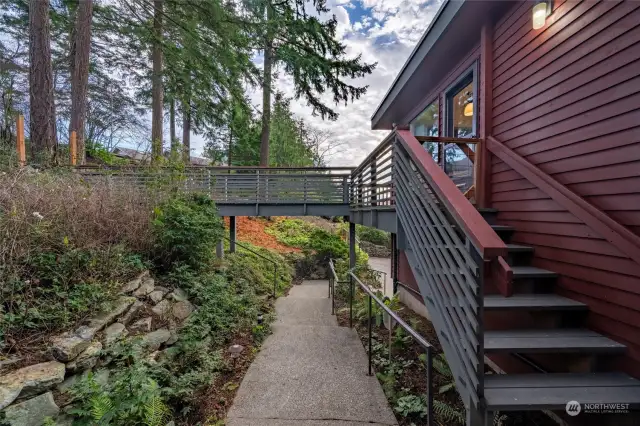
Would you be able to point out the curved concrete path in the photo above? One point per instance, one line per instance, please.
(310, 371)
(383, 264)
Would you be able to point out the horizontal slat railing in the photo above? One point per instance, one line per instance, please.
(448, 246)
(240, 185)
(372, 186)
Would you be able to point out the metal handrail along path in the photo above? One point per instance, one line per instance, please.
(399, 321)
(275, 264)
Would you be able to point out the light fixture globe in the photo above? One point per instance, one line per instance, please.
(540, 12)
(468, 110)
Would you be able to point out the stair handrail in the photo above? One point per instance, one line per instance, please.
(250, 250)
(428, 347)
(466, 216)
(611, 230)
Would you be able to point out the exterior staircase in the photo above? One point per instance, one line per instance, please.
(555, 328)
(486, 299)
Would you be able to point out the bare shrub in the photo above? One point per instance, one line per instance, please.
(65, 246)
(47, 211)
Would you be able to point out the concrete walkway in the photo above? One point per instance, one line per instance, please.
(383, 264)
(310, 371)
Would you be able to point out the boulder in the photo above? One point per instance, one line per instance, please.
(86, 359)
(9, 391)
(114, 332)
(134, 283)
(143, 325)
(107, 317)
(152, 341)
(178, 295)
(31, 412)
(162, 308)
(29, 381)
(156, 295)
(67, 346)
(181, 310)
(71, 381)
(145, 288)
(135, 307)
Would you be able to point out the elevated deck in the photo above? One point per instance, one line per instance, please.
(247, 191)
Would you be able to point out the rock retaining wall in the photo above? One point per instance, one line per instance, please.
(30, 394)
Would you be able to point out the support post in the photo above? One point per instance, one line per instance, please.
(232, 234)
(220, 249)
(476, 416)
(352, 264)
(20, 149)
(483, 156)
(73, 147)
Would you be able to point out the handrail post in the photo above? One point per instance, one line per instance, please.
(430, 386)
(370, 337)
(275, 279)
(345, 189)
(352, 264)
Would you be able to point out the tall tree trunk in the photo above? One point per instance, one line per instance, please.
(156, 83)
(42, 110)
(266, 93)
(230, 147)
(172, 126)
(186, 132)
(81, 49)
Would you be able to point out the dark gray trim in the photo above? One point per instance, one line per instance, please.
(437, 27)
(381, 219)
(283, 209)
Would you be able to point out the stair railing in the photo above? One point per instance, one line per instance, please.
(448, 244)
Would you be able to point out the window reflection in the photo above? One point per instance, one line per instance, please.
(463, 112)
(427, 124)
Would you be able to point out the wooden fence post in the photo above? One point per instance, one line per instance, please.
(73, 148)
(22, 154)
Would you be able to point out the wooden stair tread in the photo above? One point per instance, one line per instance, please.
(538, 302)
(549, 341)
(503, 228)
(517, 248)
(532, 272)
(553, 391)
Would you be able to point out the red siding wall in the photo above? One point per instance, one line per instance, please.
(567, 98)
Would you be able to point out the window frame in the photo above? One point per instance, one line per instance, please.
(435, 99)
(470, 75)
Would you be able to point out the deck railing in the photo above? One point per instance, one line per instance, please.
(372, 185)
(448, 245)
(240, 185)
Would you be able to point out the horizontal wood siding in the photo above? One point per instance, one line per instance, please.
(567, 99)
(405, 275)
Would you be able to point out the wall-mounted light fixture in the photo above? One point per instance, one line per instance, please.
(468, 110)
(541, 10)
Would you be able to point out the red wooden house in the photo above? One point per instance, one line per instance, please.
(530, 257)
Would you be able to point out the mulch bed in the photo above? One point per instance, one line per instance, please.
(216, 401)
(252, 230)
(414, 376)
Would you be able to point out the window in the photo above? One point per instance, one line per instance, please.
(427, 123)
(462, 107)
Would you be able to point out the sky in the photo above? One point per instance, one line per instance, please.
(382, 31)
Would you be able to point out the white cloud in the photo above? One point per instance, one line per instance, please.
(386, 34)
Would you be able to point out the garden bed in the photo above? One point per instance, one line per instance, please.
(404, 376)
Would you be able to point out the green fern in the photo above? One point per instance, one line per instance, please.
(156, 412)
(447, 412)
(442, 367)
(101, 405)
(499, 419)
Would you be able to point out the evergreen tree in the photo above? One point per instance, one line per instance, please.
(307, 49)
